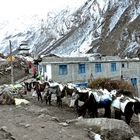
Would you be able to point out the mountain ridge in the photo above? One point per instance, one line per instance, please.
(105, 26)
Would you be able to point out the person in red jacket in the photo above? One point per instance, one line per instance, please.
(29, 64)
(34, 71)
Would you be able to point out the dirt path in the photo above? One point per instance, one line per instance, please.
(35, 122)
(38, 121)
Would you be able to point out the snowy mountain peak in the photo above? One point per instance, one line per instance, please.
(109, 27)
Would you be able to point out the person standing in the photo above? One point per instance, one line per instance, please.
(37, 89)
(34, 71)
(29, 64)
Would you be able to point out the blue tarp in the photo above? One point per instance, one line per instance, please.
(81, 84)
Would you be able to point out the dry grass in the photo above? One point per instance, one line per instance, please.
(110, 84)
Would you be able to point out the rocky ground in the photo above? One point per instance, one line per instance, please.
(38, 121)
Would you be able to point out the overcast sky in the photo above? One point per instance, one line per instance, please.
(15, 8)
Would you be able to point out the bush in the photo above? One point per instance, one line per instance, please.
(110, 84)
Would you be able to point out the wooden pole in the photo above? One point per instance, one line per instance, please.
(11, 62)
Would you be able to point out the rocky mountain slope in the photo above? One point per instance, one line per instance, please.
(109, 27)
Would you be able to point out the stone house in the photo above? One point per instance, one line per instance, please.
(85, 69)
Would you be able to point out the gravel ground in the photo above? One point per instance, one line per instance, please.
(38, 121)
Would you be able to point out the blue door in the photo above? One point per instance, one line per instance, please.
(134, 81)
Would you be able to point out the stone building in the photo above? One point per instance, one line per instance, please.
(87, 68)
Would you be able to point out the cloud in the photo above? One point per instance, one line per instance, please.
(16, 8)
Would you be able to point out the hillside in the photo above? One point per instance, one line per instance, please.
(103, 26)
(20, 67)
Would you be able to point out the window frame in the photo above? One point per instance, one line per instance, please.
(113, 67)
(81, 68)
(123, 65)
(134, 81)
(63, 69)
(44, 68)
(98, 67)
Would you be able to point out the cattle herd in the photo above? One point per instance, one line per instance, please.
(87, 101)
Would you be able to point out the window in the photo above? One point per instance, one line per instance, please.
(98, 67)
(81, 68)
(113, 67)
(123, 65)
(134, 81)
(40, 68)
(127, 64)
(62, 69)
(44, 68)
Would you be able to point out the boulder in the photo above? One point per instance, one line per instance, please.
(6, 98)
(5, 135)
(109, 129)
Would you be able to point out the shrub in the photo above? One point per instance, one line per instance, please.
(110, 84)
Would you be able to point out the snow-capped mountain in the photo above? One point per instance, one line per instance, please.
(110, 27)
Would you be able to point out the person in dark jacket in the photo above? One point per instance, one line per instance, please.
(37, 89)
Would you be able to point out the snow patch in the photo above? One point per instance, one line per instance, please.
(135, 12)
(122, 6)
(131, 46)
